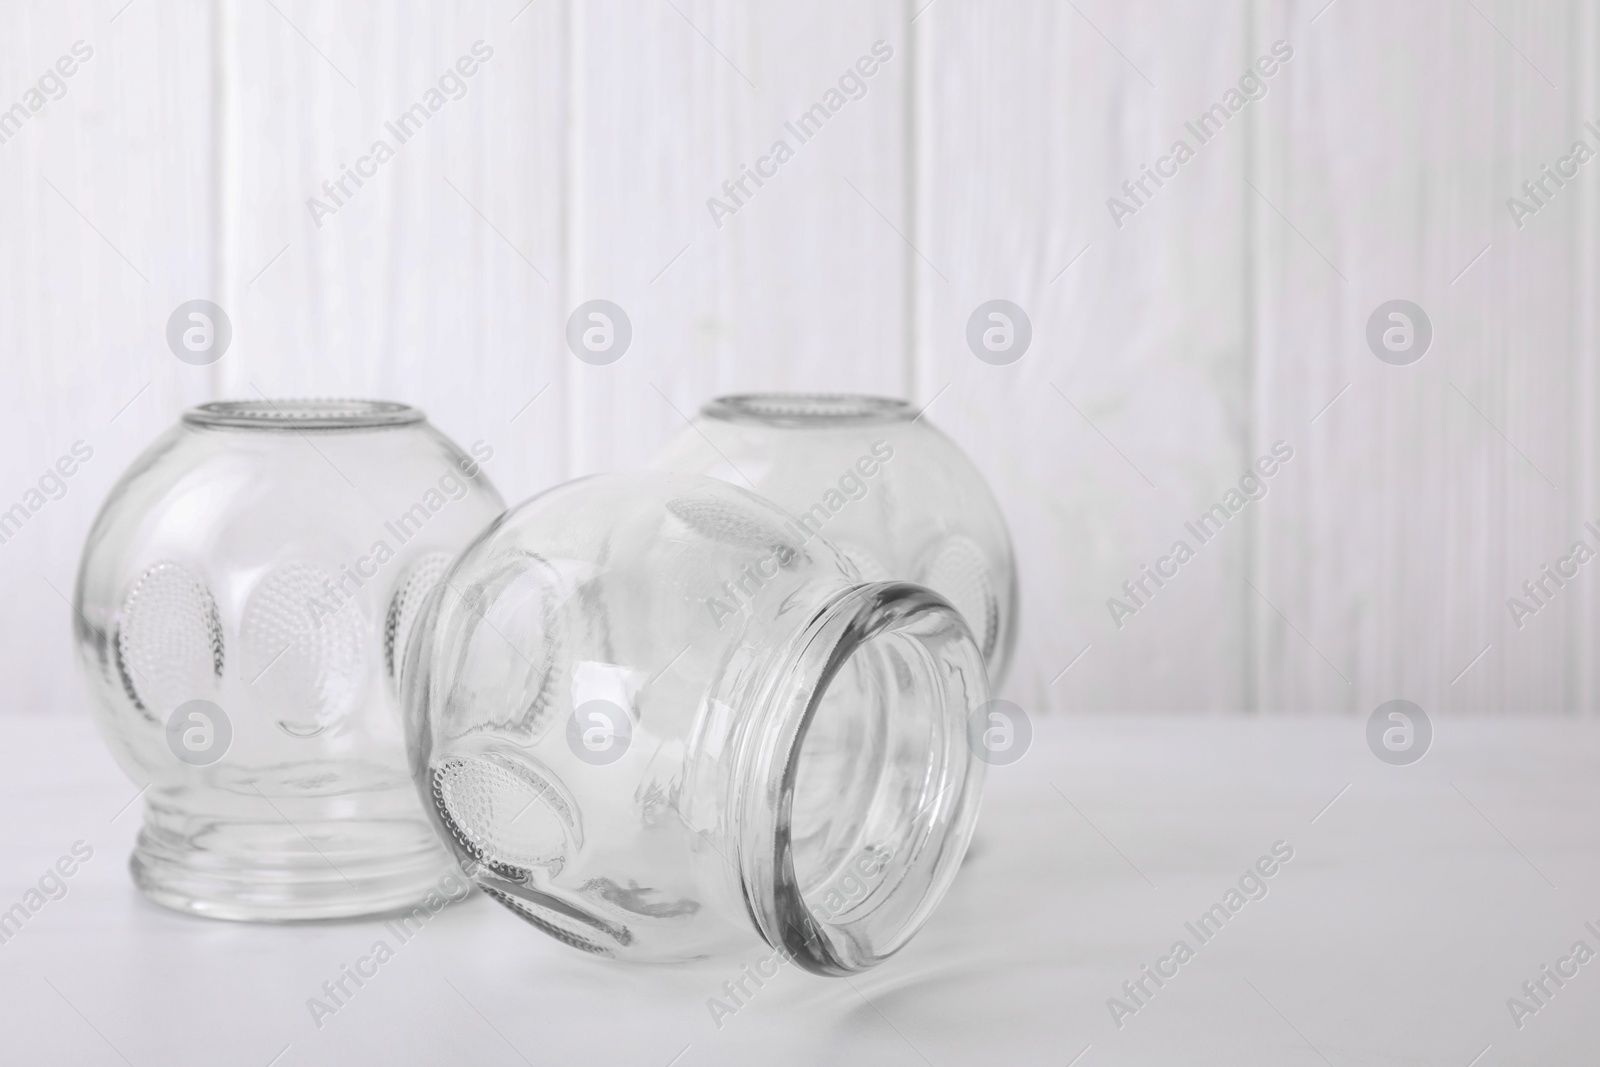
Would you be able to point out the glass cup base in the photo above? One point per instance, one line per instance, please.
(274, 872)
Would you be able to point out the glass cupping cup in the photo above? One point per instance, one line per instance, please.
(658, 719)
(243, 605)
(878, 480)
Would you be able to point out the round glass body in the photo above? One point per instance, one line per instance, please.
(893, 493)
(243, 606)
(658, 719)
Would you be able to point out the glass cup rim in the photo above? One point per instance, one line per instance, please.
(816, 942)
(302, 414)
(808, 409)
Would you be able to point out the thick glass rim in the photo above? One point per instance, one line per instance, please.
(808, 409)
(302, 414)
(935, 835)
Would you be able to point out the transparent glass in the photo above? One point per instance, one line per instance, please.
(658, 720)
(243, 606)
(892, 492)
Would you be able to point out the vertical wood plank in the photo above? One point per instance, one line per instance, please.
(1583, 44)
(107, 225)
(438, 279)
(1429, 492)
(801, 286)
(1126, 416)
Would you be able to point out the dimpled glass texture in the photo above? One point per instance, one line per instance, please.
(658, 720)
(243, 605)
(892, 492)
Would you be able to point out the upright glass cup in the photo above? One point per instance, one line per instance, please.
(880, 482)
(658, 719)
(243, 605)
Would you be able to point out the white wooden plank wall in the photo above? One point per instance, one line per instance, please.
(107, 222)
(804, 286)
(437, 281)
(1128, 415)
(1168, 353)
(1428, 493)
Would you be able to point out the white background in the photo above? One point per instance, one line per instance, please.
(1167, 353)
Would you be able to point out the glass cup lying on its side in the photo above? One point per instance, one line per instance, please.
(658, 720)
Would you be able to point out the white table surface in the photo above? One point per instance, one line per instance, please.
(1414, 906)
